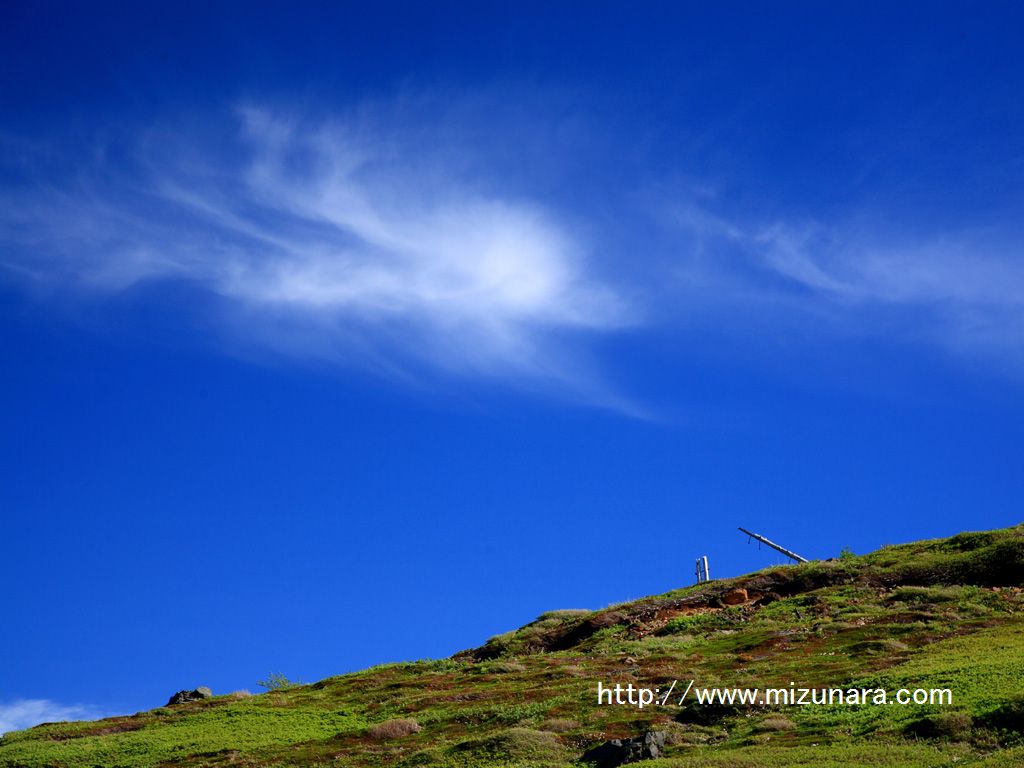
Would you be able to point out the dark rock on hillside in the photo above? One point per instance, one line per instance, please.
(621, 751)
(198, 694)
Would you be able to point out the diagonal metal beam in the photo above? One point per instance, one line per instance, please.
(773, 545)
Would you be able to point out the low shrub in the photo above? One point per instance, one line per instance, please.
(1008, 717)
(394, 729)
(513, 744)
(776, 723)
(956, 726)
(277, 682)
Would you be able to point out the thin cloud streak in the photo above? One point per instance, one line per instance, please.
(972, 290)
(961, 291)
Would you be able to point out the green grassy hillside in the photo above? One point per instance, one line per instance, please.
(943, 614)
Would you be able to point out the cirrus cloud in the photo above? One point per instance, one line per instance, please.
(335, 240)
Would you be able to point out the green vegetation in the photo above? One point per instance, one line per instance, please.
(933, 614)
(220, 728)
(277, 682)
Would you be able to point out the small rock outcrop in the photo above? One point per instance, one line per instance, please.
(621, 751)
(735, 596)
(198, 694)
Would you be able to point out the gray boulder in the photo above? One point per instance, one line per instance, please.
(621, 751)
(198, 694)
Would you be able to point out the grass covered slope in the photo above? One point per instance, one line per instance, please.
(934, 614)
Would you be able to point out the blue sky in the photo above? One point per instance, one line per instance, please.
(334, 337)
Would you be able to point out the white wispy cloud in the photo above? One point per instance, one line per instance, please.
(961, 290)
(387, 240)
(24, 713)
(337, 240)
